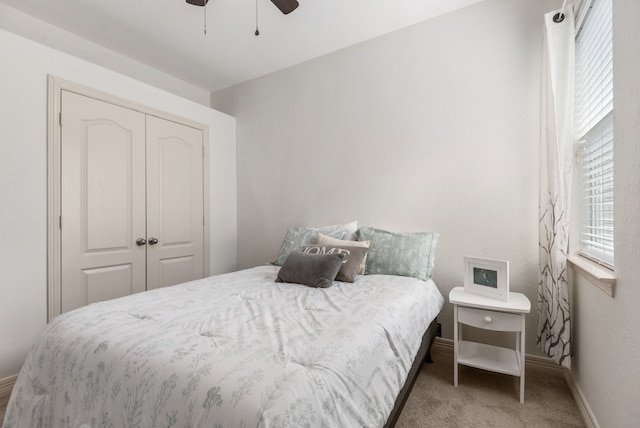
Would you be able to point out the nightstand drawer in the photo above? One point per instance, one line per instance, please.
(490, 320)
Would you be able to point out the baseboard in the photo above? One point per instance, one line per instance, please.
(443, 345)
(6, 386)
(546, 365)
(583, 406)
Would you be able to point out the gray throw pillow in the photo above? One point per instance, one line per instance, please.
(353, 258)
(314, 270)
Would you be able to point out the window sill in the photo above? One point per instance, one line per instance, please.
(600, 276)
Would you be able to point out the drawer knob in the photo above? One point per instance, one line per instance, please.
(488, 319)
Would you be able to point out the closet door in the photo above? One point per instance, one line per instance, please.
(102, 201)
(175, 215)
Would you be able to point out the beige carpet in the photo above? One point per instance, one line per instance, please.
(482, 399)
(3, 408)
(486, 399)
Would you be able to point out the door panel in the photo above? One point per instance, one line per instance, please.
(174, 203)
(176, 270)
(108, 282)
(108, 180)
(175, 156)
(102, 201)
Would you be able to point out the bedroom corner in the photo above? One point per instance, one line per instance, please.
(23, 171)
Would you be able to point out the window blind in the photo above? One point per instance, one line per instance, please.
(594, 67)
(596, 176)
(594, 126)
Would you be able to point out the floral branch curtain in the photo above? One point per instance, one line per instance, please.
(556, 156)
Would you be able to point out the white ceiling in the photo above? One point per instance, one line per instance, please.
(169, 34)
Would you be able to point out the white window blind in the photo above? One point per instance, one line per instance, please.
(596, 176)
(594, 125)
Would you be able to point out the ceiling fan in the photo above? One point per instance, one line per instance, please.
(285, 6)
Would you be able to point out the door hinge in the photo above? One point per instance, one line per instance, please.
(60, 221)
(202, 151)
(203, 221)
(60, 118)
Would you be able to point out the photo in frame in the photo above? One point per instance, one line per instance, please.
(486, 277)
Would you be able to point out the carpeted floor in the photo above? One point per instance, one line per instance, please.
(482, 399)
(487, 399)
(3, 408)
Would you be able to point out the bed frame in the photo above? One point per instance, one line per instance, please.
(423, 355)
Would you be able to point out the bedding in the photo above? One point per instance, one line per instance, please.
(233, 350)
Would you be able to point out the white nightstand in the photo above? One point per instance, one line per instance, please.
(489, 314)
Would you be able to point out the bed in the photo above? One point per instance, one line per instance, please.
(233, 350)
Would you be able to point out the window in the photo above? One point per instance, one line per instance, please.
(594, 126)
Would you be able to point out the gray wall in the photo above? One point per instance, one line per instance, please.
(435, 127)
(49, 35)
(606, 341)
(431, 128)
(24, 67)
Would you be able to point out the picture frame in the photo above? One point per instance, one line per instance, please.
(487, 277)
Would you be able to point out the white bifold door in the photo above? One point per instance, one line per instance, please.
(132, 208)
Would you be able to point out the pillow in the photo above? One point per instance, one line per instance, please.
(296, 237)
(327, 240)
(314, 270)
(353, 258)
(405, 254)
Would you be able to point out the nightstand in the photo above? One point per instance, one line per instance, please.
(489, 314)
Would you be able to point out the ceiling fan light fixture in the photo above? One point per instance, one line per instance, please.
(286, 6)
(198, 2)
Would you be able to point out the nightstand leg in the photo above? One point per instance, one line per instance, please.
(521, 356)
(455, 344)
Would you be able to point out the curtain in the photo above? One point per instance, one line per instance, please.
(556, 157)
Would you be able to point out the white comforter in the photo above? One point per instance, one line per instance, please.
(234, 350)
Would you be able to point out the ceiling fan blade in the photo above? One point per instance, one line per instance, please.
(286, 6)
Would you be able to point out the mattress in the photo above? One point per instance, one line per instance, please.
(233, 350)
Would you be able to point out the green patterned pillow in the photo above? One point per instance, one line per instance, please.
(296, 237)
(404, 254)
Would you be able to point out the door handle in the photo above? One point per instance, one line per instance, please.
(153, 241)
(140, 242)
